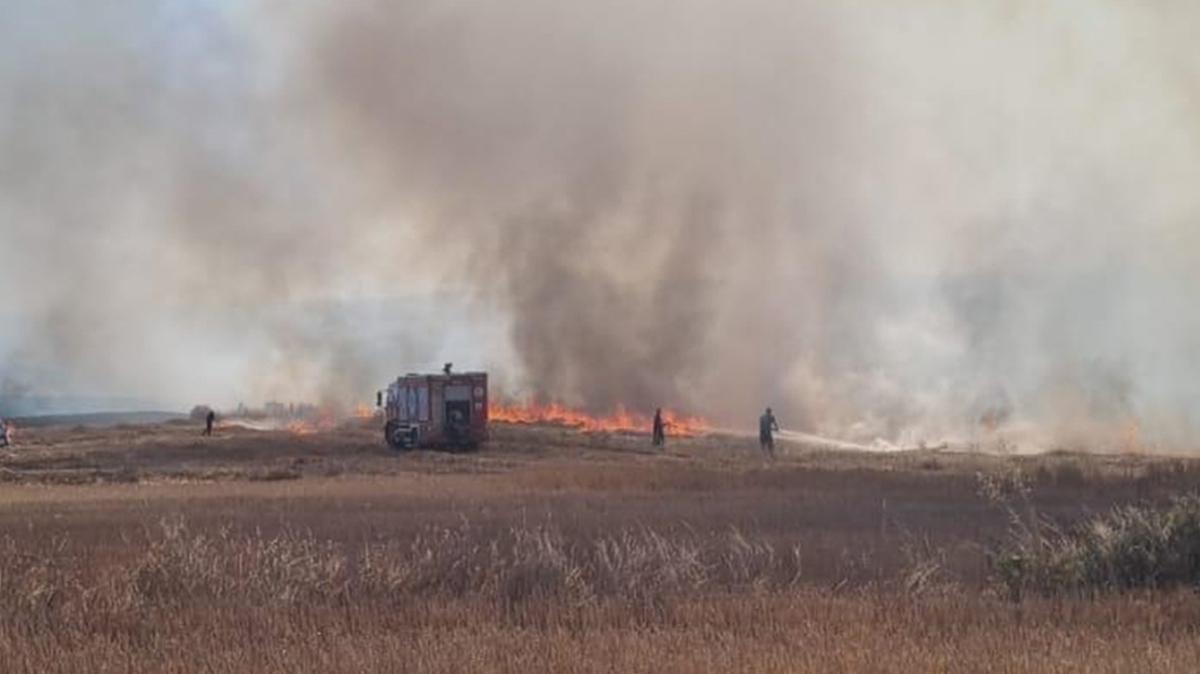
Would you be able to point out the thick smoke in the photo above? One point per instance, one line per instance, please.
(641, 187)
(909, 224)
(166, 235)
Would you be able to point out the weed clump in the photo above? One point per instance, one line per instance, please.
(1132, 547)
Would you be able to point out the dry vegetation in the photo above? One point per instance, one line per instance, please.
(150, 549)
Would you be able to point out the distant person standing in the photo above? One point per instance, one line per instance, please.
(767, 426)
(659, 430)
(209, 420)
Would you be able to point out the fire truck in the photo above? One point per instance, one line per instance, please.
(444, 411)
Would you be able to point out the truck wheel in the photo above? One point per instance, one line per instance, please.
(396, 438)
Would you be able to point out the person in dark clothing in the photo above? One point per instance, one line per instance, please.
(660, 429)
(766, 427)
(456, 428)
(209, 420)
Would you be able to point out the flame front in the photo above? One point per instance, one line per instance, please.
(620, 420)
(324, 420)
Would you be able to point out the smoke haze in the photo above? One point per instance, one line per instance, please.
(900, 223)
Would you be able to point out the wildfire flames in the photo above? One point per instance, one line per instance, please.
(305, 427)
(553, 414)
(621, 420)
(326, 420)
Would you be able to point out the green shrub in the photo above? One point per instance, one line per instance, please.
(1130, 548)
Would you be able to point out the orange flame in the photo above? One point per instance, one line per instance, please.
(323, 420)
(301, 428)
(621, 420)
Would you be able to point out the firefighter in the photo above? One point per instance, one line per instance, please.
(209, 420)
(456, 429)
(660, 429)
(766, 426)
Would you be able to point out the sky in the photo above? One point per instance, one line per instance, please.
(904, 221)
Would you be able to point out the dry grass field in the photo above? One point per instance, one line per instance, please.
(151, 549)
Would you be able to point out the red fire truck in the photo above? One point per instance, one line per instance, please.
(447, 410)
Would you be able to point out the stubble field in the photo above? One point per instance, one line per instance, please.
(149, 548)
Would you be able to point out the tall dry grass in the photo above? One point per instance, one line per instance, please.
(528, 599)
(541, 556)
(183, 567)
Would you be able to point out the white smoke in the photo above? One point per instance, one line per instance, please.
(909, 222)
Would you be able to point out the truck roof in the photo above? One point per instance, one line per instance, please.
(441, 375)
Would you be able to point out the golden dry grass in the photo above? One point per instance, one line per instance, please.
(149, 549)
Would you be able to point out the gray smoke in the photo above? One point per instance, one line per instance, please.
(906, 223)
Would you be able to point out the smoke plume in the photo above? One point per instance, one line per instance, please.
(899, 223)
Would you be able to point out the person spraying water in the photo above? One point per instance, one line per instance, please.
(767, 427)
(659, 429)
